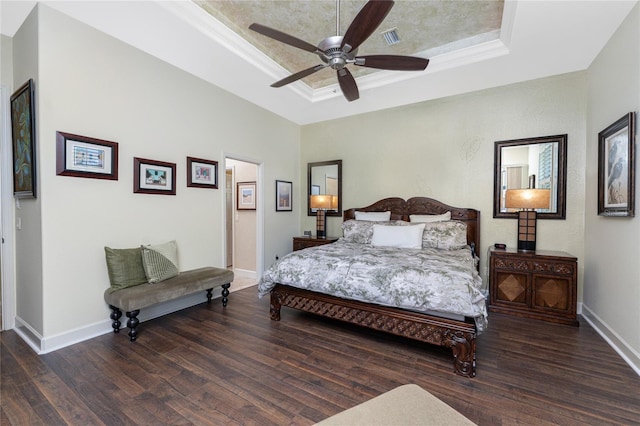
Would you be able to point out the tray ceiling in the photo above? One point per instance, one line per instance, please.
(425, 28)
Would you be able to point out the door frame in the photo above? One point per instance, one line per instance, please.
(259, 209)
(7, 213)
(232, 176)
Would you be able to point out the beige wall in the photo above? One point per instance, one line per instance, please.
(6, 61)
(444, 149)
(28, 240)
(612, 245)
(93, 85)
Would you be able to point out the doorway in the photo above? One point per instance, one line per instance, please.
(242, 228)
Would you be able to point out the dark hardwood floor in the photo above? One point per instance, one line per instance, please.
(212, 366)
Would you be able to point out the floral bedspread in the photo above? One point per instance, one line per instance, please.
(424, 280)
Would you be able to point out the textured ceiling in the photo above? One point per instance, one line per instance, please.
(425, 27)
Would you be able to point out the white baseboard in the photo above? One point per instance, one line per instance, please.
(28, 334)
(628, 354)
(244, 273)
(42, 345)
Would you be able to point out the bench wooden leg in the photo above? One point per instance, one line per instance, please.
(225, 293)
(132, 323)
(116, 313)
(209, 295)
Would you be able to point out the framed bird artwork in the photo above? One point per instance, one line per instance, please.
(616, 168)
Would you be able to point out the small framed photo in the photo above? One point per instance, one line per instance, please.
(246, 195)
(81, 156)
(284, 191)
(202, 173)
(616, 168)
(153, 177)
(23, 138)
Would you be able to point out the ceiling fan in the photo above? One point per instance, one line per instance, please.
(339, 51)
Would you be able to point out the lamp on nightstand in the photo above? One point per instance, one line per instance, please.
(322, 203)
(527, 200)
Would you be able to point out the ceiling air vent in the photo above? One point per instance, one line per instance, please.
(391, 36)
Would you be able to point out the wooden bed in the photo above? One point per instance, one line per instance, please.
(459, 335)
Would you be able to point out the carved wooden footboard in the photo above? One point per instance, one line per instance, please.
(458, 335)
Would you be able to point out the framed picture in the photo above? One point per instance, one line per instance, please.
(246, 195)
(202, 173)
(154, 177)
(284, 198)
(23, 138)
(616, 168)
(81, 156)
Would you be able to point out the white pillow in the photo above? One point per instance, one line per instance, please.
(426, 218)
(373, 216)
(398, 236)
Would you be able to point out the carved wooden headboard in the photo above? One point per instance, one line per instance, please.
(401, 209)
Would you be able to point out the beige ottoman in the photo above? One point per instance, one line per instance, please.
(404, 405)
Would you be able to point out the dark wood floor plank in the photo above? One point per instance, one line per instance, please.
(16, 407)
(209, 365)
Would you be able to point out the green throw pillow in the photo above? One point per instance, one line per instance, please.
(160, 262)
(124, 267)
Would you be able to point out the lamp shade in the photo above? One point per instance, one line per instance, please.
(527, 198)
(321, 202)
(334, 202)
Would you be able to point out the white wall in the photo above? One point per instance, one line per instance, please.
(612, 245)
(444, 149)
(93, 85)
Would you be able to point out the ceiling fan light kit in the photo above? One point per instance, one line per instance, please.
(336, 52)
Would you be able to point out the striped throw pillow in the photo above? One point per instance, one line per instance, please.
(160, 261)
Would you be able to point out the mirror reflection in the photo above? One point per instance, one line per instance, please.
(538, 163)
(325, 178)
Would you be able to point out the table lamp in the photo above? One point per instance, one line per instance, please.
(527, 200)
(322, 203)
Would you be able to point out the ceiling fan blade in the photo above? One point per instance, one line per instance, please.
(298, 75)
(348, 85)
(283, 37)
(365, 23)
(392, 62)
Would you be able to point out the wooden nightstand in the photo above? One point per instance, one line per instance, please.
(300, 243)
(540, 285)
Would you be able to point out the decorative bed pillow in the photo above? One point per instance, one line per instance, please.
(426, 218)
(124, 267)
(160, 261)
(361, 231)
(449, 235)
(373, 216)
(398, 236)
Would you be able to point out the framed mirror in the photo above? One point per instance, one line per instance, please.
(325, 178)
(539, 163)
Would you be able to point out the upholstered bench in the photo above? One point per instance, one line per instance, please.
(132, 299)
